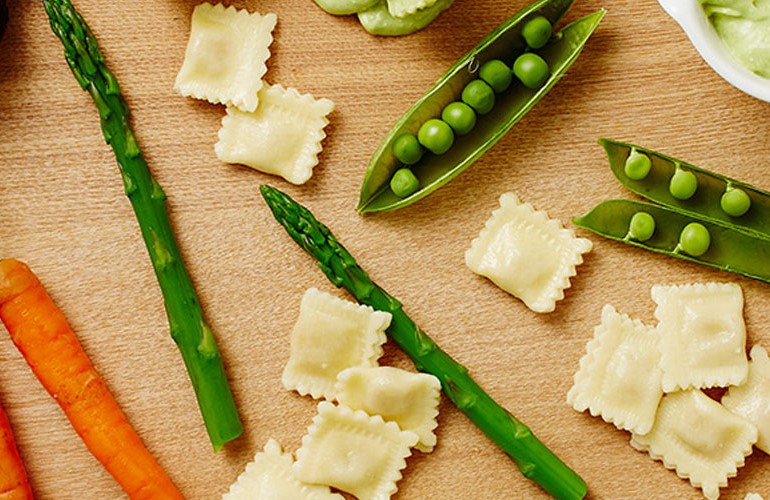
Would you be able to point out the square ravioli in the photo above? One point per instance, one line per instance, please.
(226, 55)
(269, 477)
(751, 400)
(619, 376)
(406, 398)
(527, 254)
(281, 137)
(702, 335)
(700, 438)
(354, 452)
(330, 335)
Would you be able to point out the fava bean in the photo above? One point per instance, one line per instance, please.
(460, 117)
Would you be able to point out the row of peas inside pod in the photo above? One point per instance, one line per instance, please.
(692, 213)
(437, 135)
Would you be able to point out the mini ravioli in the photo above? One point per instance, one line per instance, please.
(352, 451)
(406, 398)
(619, 376)
(752, 399)
(281, 137)
(330, 335)
(701, 439)
(226, 55)
(527, 254)
(702, 335)
(269, 477)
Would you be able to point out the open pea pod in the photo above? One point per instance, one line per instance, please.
(730, 248)
(706, 202)
(504, 43)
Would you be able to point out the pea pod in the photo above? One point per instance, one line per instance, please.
(729, 249)
(705, 203)
(504, 43)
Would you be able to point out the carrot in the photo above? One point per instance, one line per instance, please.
(45, 339)
(13, 477)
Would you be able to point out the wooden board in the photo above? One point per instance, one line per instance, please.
(62, 210)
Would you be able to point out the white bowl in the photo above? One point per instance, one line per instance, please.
(692, 18)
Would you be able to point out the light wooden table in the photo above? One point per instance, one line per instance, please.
(62, 210)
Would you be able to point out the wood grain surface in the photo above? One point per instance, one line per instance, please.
(62, 210)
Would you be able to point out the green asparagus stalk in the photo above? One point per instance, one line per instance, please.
(534, 460)
(187, 325)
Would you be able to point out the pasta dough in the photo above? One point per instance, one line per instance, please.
(354, 452)
(281, 137)
(700, 438)
(527, 254)
(329, 336)
(619, 376)
(406, 398)
(702, 335)
(269, 477)
(226, 55)
(752, 399)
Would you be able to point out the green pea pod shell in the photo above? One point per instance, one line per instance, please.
(705, 203)
(504, 43)
(731, 249)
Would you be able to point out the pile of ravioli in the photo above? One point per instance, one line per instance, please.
(650, 380)
(270, 128)
(370, 417)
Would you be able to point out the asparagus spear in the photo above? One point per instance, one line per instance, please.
(187, 325)
(534, 460)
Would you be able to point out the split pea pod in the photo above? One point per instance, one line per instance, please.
(505, 43)
(728, 247)
(668, 181)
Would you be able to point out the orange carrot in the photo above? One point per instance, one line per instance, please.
(42, 334)
(13, 477)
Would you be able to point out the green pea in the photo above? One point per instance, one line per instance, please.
(403, 183)
(531, 69)
(460, 117)
(694, 239)
(436, 136)
(683, 184)
(735, 202)
(641, 227)
(637, 166)
(407, 149)
(537, 32)
(497, 74)
(479, 95)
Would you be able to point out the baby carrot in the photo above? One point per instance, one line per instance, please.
(42, 334)
(13, 477)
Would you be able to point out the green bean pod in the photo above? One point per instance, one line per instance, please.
(730, 249)
(705, 203)
(504, 43)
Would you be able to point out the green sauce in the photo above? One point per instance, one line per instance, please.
(744, 27)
